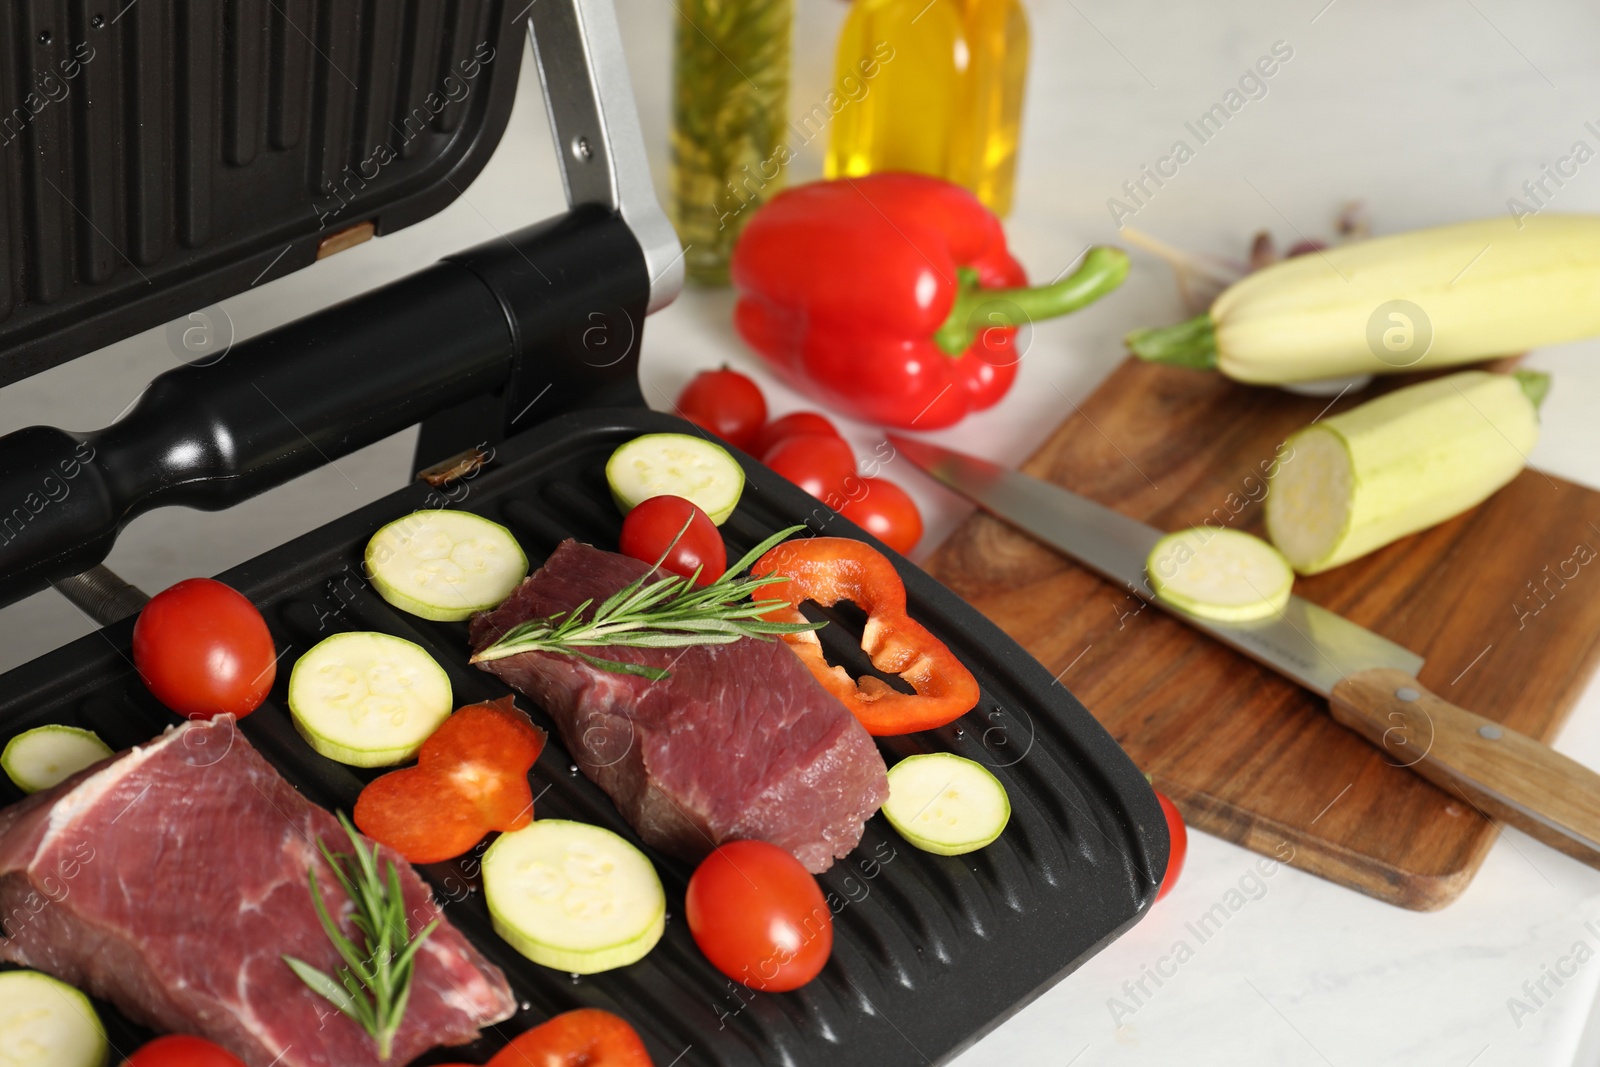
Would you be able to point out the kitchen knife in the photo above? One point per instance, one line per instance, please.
(1370, 681)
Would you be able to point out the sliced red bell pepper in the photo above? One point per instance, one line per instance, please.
(584, 1037)
(892, 297)
(471, 777)
(830, 569)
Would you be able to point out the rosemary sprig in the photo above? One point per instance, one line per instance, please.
(375, 982)
(668, 613)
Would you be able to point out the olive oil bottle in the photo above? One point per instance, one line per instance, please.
(948, 99)
(729, 111)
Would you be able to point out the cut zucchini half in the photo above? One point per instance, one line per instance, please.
(368, 699)
(946, 804)
(1356, 481)
(573, 897)
(444, 565)
(676, 464)
(46, 1023)
(1220, 574)
(48, 755)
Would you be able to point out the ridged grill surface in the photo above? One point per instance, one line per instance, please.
(929, 951)
(159, 155)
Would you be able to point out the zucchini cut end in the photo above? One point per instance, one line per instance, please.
(946, 804)
(444, 566)
(1220, 574)
(368, 699)
(573, 897)
(675, 464)
(592, 961)
(47, 1023)
(48, 755)
(1308, 507)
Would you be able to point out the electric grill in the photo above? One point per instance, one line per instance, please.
(181, 152)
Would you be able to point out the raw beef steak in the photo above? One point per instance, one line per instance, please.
(171, 881)
(739, 741)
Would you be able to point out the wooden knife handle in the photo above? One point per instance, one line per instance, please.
(1507, 775)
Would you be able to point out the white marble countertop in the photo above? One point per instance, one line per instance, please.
(1429, 112)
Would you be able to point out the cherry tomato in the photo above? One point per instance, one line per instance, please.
(759, 916)
(816, 463)
(587, 1037)
(888, 513)
(726, 403)
(648, 530)
(181, 1050)
(1180, 845)
(204, 650)
(791, 425)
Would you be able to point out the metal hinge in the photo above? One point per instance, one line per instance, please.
(577, 47)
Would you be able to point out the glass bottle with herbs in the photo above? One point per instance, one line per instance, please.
(730, 108)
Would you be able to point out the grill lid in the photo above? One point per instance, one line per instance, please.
(157, 156)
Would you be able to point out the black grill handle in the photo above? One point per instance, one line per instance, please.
(534, 319)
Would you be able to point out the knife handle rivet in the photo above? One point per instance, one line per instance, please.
(1490, 732)
(1406, 693)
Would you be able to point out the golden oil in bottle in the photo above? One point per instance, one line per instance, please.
(983, 155)
(946, 99)
(904, 120)
(729, 110)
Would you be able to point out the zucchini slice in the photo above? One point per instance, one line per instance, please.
(945, 803)
(1408, 460)
(444, 565)
(573, 897)
(676, 464)
(46, 1023)
(48, 755)
(368, 699)
(1220, 574)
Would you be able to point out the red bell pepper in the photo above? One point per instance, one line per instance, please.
(471, 777)
(584, 1037)
(830, 569)
(892, 297)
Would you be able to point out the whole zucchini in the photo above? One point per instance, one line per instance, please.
(1410, 459)
(1431, 298)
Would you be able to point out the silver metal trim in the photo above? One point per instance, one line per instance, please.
(577, 47)
(1306, 643)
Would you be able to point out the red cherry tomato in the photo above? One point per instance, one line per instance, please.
(725, 402)
(759, 916)
(816, 463)
(181, 1050)
(204, 650)
(888, 513)
(1180, 845)
(648, 530)
(791, 425)
(587, 1037)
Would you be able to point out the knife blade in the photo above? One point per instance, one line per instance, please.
(1309, 644)
(1370, 681)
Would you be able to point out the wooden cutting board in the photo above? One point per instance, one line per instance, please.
(1504, 602)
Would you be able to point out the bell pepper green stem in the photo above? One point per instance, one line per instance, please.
(1183, 344)
(977, 309)
(1535, 385)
